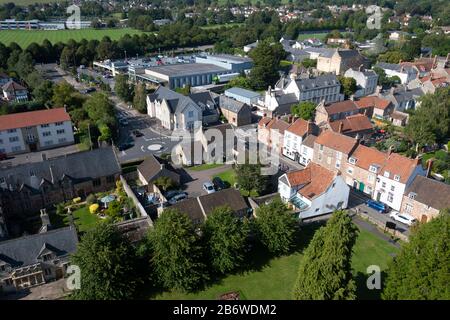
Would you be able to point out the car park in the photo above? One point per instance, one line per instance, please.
(403, 218)
(208, 187)
(218, 183)
(379, 206)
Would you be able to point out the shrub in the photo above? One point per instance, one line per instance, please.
(93, 208)
(76, 200)
(91, 199)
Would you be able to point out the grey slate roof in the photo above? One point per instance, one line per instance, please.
(324, 52)
(325, 80)
(78, 166)
(175, 100)
(392, 66)
(24, 251)
(152, 165)
(206, 100)
(230, 104)
(430, 192)
(309, 141)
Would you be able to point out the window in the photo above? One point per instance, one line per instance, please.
(62, 140)
(11, 130)
(408, 208)
(371, 177)
(390, 197)
(47, 272)
(45, 125)
(60, 131)
(338, 164)
(96, 182)
(392, 188)
(13, 139)
(321, 147)
(46, 133)
(58, 123)
(320, 157)
(373, 169)
(48, 143)
(397, 177)
(386, 174)
(383, 184)
(191, 114)
(412, 195)
(16, 148)
(110, 179)
(350, 170)
(352, 160)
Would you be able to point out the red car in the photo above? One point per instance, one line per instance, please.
(3, 156)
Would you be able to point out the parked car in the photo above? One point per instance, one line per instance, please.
(218, 183)
(208, 187)
(177, 198)
(125, 146)
(172, 193)
(123, 122)
(403, 218)
(379, 206)
(137, 133)
(3, 156)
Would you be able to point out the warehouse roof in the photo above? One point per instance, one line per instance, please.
(187, 69)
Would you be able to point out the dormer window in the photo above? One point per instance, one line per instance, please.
(352, 160)
(397, 177)
(387, 174)
(373, 169)
(412, 195)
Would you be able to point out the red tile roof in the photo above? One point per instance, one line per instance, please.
(264, 121)
(315, 178)
(365, 157)
(399, 165)
(373, 101)
(299, 127)
(33, 118)
(336, 141)
(352, 124)
(343, 106)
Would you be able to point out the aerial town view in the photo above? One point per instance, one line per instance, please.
(224, 150)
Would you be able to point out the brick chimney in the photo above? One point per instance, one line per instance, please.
(429, 166)
(309, 127)
(341, 127)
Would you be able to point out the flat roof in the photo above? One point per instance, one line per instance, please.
(186, 69)
(227, 58)
(242, 92)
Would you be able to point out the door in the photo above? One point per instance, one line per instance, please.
(378, 196)
(361, 187)
(424, 218)
(33, 147)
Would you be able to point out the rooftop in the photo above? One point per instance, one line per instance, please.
(186, 69)
(33, 118)
(430, 192)
(343, 106)
(242, 92)
(336, 141)
(373, 101)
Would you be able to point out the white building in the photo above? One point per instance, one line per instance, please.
(405, 73)
(35, 130)
(366, 81)
(293, 138)
(393, 178)
(313, 191)
(307, 150)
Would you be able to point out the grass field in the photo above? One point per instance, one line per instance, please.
(205, 166)
(274, 279)
(25, 37)
(228, 177)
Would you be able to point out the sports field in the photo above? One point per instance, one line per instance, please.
(25, 37)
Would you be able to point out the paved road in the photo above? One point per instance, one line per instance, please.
(194, 186)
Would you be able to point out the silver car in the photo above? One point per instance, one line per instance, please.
(209, 187)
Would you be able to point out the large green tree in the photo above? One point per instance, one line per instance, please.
(276, 227)
(348, 86)
(325, 271)
(225, 236)
(123, 89)
(249, 177)
(266, 57)
(304, 110)
(430, 123)
(106, 260)
(139, 100)
(421, 271)
(177, 254)
(100, 109)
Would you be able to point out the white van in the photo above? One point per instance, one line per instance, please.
(403, 218)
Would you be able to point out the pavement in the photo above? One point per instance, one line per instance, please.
(194, 179)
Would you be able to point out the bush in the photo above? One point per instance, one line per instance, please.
(76, 200)
(93, 208)
(91, 199)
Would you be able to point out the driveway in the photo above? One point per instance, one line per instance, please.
(195, 179)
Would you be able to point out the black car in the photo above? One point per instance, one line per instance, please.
(218, 183)
(137, 133)
(125, 146)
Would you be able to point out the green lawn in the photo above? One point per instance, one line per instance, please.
(84, 219)
(319, 35)
(205, 166)
(274, 279)
(25, 37)
(227, 177)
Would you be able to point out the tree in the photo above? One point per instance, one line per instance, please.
(44, 92)
(123, 88)
(325, 271)
(304, 110)
(176, 251)
(266, 57)
(63, 95)
(249, 177)
(309, 63)
(421, 270)
(225, 237)
(164, 183)
(430, 123)
(106, 260)
(393, 57)
(276, 227)
(140, 98)
(100, 109)
(348, 86)
(240, 82)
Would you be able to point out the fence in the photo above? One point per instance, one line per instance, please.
(133, 197)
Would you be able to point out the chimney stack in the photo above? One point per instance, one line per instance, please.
(429, 166)
(309, 127)
(341, 127)
(45, 221)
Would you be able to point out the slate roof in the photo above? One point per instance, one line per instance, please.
(190, 207)
(24, 251)
(207, 101)
(242, 92)
(175, 100)
(229, 197)
(11, 85)
(78, 166)
(230, 104)
(325, 80)
(430, 192)
(152, 165)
